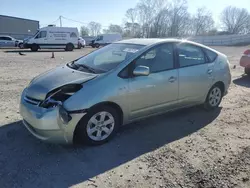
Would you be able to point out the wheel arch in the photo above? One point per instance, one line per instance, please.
(110, 104)
(105, 103)
(221, 85)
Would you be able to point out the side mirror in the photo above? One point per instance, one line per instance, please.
(141, 71)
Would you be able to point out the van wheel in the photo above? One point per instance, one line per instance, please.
(247, 71)
(99, 126)
(69, 47)
(34, 47)
(214, 97)
(97, 45)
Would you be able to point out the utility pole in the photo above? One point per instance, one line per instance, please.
(60, 18)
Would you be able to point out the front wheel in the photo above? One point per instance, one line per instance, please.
(99, 126)
(247, 71)
(214, 98)
(97, 45)
(34, 48)
(20, 45)
(69, 47)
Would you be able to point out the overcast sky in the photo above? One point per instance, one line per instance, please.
(102, 11)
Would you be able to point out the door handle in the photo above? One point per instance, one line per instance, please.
(172, 79)
(209, 71)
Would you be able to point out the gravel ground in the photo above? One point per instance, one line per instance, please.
(188, 148)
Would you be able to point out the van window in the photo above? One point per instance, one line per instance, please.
(73, 35)
(190, 55)
(99, 38)
(41, 34)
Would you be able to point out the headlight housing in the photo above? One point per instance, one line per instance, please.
(59, 95)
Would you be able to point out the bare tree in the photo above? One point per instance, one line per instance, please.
(114, 29)
(235, 20)
(179, 18)
(84, 31)
(146, 10)
(95, 28)
(202, 21)
(131, 15)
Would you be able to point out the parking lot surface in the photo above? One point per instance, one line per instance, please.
(187, 148)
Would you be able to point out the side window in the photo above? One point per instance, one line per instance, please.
(190, 55)
(41, 34)
(158, 59)
(7, 38)
(211, 55)
(73, 35)
(99, 38)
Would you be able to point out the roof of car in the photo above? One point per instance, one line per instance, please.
(148, 41)
(5, 36)
(152, 41)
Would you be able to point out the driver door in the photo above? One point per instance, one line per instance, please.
(41, 39)
(157, 92)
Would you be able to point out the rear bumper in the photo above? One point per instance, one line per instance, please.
(245, 61)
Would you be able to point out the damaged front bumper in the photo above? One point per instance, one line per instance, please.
(48, 124)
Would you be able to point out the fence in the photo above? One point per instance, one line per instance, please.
(222, 40)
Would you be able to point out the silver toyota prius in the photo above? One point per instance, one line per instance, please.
(91, 97)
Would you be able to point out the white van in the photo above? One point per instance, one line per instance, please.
(53, 37)
(104, 39)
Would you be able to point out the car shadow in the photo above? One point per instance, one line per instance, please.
(243, 81)
(28, 162)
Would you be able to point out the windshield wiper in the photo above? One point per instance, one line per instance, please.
(87, 67)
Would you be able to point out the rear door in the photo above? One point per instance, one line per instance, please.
(195, 74)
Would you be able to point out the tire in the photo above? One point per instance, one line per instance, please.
(69, 47)
(97, 45)
(34, 48)
(247, 71)
(20, 45)
(87, 131)
(214, 97)
(79, 46)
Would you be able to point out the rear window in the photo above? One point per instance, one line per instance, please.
(211, 55)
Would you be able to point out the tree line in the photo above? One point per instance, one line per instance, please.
(162, 18)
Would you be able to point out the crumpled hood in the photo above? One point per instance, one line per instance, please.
(55, 78)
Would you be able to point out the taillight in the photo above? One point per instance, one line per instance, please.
(247, 52)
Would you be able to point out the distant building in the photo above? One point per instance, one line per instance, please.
(18, 28)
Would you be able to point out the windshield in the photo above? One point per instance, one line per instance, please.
(106, 58)
(36, 33)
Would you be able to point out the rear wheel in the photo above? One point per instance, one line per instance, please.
(69, 47)
(34, 47)
(214, 97)
(99, 126)
(247, 71)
